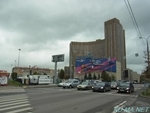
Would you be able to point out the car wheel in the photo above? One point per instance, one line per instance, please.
(64, 87)
(86, 88)
(118, 91)
(70, 86)
(130, 91)
(110, 89)
(93, 90)
(78, 89)
(104, 90)
(133, 90)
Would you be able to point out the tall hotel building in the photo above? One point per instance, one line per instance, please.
(115, 41)
(112, 46)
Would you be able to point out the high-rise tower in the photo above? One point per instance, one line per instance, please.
(115, 41)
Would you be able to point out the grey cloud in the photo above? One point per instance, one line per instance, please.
(39, 26)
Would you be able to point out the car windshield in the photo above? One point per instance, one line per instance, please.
(69, 81)
(113, 83)
(100, 83)
(124, 84)
(64, 81)
(84, 83)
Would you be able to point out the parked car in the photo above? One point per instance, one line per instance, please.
(71, 83)
(96, 81)
(125, 87)
(101, 86)
(135, 82)
(61, 84)
(114, 84)
(85, 86)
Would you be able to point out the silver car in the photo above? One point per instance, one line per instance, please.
(61, 84)
(84, 85)
(71, 83)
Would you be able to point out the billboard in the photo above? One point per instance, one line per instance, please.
(86, 65)
(58, 58)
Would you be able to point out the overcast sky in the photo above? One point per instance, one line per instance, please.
(42, 28)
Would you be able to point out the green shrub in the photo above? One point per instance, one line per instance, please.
(14, 83)
(146, 92)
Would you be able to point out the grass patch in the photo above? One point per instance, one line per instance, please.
(14, 83)
(146, 92)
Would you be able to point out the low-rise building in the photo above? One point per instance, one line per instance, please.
(131, 75)
(24, 71)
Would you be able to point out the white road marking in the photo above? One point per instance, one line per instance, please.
(2, 109)
(20, 110)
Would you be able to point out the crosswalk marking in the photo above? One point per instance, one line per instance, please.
(11, 99)
(2, 109)
(14, 96)
(7, 102)
(15, 103)
(6, 105)
(20, 110)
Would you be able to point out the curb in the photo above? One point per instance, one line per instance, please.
(39, 86)
(28, 86)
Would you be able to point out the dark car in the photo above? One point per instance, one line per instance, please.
(125, 87)
(101, 86)
(114, 84)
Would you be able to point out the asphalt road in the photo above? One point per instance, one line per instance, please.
(50, 99)
(59, 100)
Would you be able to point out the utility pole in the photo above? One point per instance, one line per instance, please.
(147, 51)
(147, 55)
(147, 44)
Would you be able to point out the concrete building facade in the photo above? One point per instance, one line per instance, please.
(79, 49)
(132, 76)
(113, 46)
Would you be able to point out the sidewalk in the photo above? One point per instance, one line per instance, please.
(142, 104)
(133, 105)
(27, 86)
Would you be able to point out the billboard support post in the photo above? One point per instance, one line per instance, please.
(57, 58)
(55, 77)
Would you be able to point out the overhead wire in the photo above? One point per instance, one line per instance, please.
(134, 22)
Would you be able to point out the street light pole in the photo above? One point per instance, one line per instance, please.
(19, 56)
(15, 63)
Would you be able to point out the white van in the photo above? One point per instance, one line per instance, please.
(45, 79)
(33, 79)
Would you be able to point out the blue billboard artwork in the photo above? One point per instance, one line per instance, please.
(86, 65)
